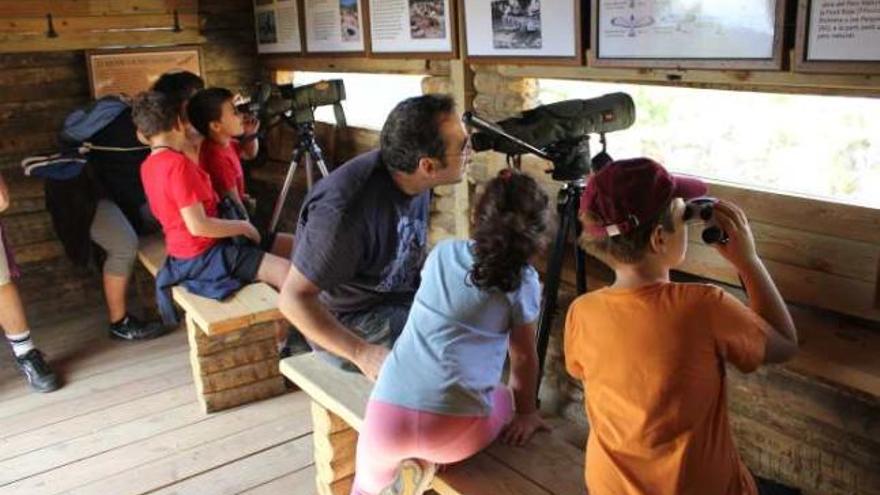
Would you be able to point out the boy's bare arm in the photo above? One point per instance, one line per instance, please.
(764, 297)
(201, 225)
(251, 146)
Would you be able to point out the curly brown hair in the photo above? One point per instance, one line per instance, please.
(626, 248)
(153, 113)
(512, 220)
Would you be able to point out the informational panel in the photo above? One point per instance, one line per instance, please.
(277, 26)
(838, 36)
(131, 71)
(526, 29)
(687, 33)
(334, 26)
(412, 26)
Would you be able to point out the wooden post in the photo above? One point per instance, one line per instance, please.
(335, 445)
(234, 368)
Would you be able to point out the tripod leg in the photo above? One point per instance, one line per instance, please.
(308, 165)
(553, 276)
(580, 256)
(285, 189)
(318, 156)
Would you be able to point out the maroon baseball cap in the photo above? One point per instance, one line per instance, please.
(627, 193)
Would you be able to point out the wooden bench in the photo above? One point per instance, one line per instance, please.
(548, 465)
(233, 348)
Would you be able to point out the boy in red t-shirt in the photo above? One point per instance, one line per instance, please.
(651, 353)
(229, 137)
(200, 255)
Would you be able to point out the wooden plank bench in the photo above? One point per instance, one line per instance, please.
(233, 348)
(548, 465)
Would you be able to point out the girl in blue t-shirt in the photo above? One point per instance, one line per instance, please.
(438, 398)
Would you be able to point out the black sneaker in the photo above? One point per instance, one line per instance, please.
(37, 371)
(131, 328)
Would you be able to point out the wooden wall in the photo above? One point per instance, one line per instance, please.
(37, 90)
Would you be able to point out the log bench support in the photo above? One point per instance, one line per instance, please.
(236, 367)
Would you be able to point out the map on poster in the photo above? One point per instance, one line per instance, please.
(844, 30)
(277, 26)
(334, 26)
(401, 26)
(686, 29)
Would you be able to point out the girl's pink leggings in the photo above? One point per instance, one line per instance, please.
(392, 434)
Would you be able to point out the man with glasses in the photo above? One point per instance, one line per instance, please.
(362, 235)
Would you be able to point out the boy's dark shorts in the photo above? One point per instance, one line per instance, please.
(242, 261)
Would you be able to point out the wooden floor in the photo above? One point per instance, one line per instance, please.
(127, 422)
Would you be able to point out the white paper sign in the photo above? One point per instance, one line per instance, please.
(334, 25)
(844, 30)
(686, 29)
(532, 28)
(277, 26)
(400, 26)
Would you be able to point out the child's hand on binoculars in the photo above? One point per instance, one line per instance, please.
(739, 250)
(250, 124)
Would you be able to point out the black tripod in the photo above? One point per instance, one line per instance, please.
(309, 153)
(567, 204)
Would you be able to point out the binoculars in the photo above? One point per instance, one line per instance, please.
(703, 209)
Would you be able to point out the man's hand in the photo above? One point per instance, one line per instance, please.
(369, 359)
(521, 429)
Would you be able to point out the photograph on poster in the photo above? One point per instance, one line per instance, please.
(427, 19)
(266, 32)
(528, 29)
(350, 20)
(516, 24)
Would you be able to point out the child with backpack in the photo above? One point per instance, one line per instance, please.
(200, 255)
(651, 353)
(439, 397)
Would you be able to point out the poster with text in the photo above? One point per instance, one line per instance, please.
(686, 29)
(334, 26)
(131, 71)
(844, 30)
(521, 28)
(277, 26)
(411, 26)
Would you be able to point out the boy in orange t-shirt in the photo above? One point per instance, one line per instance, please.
(651, 353)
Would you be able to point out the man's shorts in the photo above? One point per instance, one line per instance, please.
(380, 325)
(8, 268)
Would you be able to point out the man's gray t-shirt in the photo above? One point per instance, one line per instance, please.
(451, 353)
(360, 238)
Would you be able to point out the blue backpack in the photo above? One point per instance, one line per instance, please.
(79, 126)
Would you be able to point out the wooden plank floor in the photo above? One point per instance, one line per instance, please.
(127, 422)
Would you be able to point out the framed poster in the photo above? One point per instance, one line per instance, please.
(746, 34)
(505, 31)
(335, 26)
(277, 26)
(838, 36)
(405, 27)
(131, 71)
